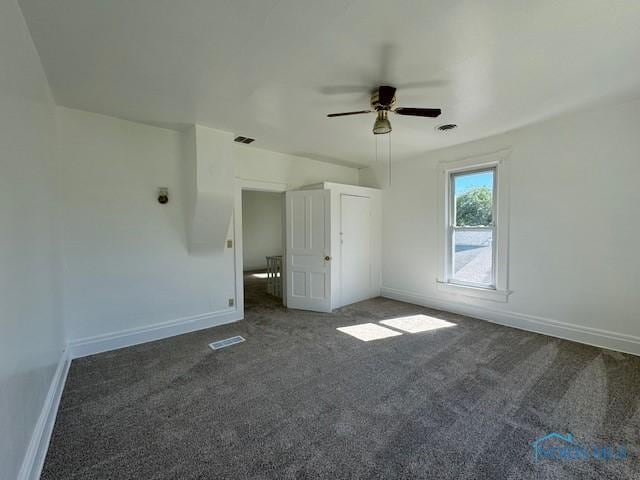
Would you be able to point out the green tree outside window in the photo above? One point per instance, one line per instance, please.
(474, 208)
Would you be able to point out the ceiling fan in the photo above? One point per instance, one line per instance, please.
(383, 101)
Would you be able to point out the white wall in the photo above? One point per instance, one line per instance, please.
(31, 332)
(261, 227)
(126, 256)
(266, 166)
(573, 229)
(129, 270)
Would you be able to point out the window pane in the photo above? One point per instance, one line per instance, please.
(473, 255)
(473, 193)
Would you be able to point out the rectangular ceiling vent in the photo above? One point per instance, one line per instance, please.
(244, 140)
(227, 342)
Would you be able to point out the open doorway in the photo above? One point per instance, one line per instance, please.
(262, 247)
(260, 242)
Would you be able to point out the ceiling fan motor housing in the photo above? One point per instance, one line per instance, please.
(375, 102)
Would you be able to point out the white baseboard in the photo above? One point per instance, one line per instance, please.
(83, 347)
(568, 331)
(39, 443)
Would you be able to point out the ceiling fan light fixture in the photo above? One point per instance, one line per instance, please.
(382, 124)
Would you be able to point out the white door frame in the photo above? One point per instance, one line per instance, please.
(258, 186)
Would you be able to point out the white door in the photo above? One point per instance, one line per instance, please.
(308, 250)
(355, 249)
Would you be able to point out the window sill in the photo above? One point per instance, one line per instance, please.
(474, 292)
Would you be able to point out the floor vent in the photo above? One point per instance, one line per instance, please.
(227, 342)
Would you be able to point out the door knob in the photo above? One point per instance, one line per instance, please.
(327, 258)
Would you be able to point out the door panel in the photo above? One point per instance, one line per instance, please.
(308, 242)
(299, 283)
(298, 219)
(318, 285)
(355, 248)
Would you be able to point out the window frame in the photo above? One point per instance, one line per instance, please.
(498, 289)
(453, 227)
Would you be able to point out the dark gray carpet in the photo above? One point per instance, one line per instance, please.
(300, 399)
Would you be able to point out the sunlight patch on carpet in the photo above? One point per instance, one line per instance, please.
(417, 323)
(368, 331)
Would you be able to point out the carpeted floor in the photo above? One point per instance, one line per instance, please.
(300, 399)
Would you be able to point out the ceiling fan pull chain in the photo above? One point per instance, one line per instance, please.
(375, 140)
(389, 158)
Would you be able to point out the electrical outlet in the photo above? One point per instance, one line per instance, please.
(231, 302)
(229, 243)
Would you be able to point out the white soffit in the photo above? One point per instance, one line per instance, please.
(210, 183)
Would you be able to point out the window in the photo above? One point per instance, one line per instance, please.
(474, 225)
(472, 228)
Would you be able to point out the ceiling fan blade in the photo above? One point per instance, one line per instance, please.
(348, 113)
(385, 94)
(418, 112)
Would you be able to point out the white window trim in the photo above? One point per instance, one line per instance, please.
(499, 161)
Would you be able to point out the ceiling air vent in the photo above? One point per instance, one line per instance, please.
(446, 127)
(246, 140)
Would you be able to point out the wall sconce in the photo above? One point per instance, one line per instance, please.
(163, 195)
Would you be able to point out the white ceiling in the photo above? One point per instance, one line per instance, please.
(266, 68)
